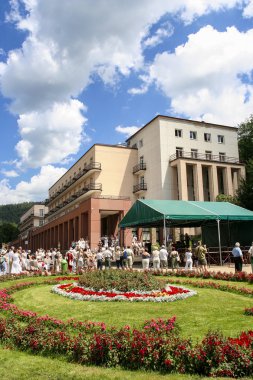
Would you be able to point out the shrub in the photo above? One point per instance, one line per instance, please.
(119, 280)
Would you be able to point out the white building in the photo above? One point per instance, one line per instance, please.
(186, 160)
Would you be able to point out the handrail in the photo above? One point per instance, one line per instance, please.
(139, 187)
(204, 156)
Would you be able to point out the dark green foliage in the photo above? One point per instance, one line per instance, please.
(245, 135)
(12, 213)
(120, 280)
(8, 232)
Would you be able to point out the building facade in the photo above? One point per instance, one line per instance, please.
(32, 219)
(169, 158)
(186, 160)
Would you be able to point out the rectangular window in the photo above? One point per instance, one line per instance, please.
(41, 222)
(179, 152)
(178, 132)
(222, 157)
(208, 155)
(41, 212)
(207, 137)
(221, 139)
(141, 143)
(194, 153)
(193, 135)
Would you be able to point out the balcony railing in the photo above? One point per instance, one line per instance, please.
(91, 166)
(91, 186)
(140, 187)
(141, 166)
(204, 157)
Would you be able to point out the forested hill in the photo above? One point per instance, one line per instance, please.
(12, 213)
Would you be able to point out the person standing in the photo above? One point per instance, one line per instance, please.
(175, 258)
(145, 259)
(99, 258)
(117, 257)
(163, 254)
(108, 258)
(238, 257)
(200, 252)
(130, 257)
(156, 259)
(251, 256)
(188, 259)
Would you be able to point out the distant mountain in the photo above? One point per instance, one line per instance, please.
(12, 213)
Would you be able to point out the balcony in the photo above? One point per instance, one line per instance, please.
(90, 188)
(92, 167)
(137, 169)
(203, 157)
(140, 187)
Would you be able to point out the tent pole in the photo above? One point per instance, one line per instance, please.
(218, 224)
(164, 231)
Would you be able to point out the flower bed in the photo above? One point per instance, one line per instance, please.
(213, 285)
(170, 294)
(157, 345)
(248, 311)
(238, 276)
(123, 281)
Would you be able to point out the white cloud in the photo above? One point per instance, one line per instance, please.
(9, 173)
(248, 10)
(35, 190)
(127, 131)
(164, 31)
(68, 43)
(50, 136)
(203, 77)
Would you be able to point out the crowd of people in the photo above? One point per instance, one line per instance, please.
(80, 257)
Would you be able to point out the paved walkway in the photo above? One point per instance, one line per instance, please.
(229, 268)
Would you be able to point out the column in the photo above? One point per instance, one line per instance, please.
(214, 190)
(235, 180)
(228, 181)
(198, 182)
(182, 180)
(94, 226)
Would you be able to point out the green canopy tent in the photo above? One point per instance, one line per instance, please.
(167, 213)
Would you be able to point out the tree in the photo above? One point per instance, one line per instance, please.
(245, 143)
(226, 198)
(245, 140)
(8, 232)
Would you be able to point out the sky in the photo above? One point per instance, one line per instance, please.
(75, 73)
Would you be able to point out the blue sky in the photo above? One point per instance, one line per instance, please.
(75, 73)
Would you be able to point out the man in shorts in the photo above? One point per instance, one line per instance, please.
(200, 252)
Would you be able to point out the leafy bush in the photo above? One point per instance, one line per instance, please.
(120, 280)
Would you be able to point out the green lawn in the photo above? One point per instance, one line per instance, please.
(210, 309)
(17, 365)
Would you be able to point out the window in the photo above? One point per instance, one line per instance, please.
(221, 139)
(208, 155)
(141, 143)
(179, 152)
(134, 146)
(207, 137)
(222, 157)
(194, 153)
(141, 159)
(41, 212)
(178, 132)
(193, 135)
(41, 222)
(142, 181)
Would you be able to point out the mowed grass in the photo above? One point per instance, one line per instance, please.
(17, 365)
(208, 310)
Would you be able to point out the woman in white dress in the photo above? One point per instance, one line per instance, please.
(188, 259)
(16, 266)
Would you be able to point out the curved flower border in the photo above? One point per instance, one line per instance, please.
(171, 294)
